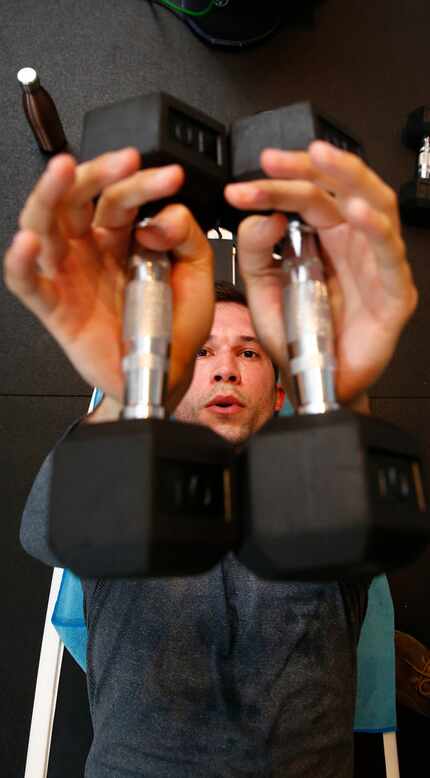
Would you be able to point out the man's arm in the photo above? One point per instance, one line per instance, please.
(33, 533)
(34, 522)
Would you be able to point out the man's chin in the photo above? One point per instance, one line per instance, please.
(232, 432)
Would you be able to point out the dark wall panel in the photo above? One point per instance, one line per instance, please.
(29, 427)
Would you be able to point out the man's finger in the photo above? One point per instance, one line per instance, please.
(256, 237)
(389, 250)
(174, 229)
(353, 177)
(38, 213)
(316, 207)
(77, 209)
(23, 279)
(338, 171)
(64, 192)
(297, 165)
(119, 203)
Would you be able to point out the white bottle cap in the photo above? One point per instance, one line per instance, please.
(28, 78)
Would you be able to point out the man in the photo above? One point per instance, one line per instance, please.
(234, 390)
(221, 674)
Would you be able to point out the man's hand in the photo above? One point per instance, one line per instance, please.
(68, 263)
(370, 283)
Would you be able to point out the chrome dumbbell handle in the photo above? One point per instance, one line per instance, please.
(147, 328)
(308, 321)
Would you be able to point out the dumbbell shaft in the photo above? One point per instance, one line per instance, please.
(147, 335)
(308, 322)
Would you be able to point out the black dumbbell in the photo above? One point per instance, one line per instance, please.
(337, 494)
(328, 492)
(144, 495)
(414, 196)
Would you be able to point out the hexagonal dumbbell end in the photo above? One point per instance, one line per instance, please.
(330, 495)
(165, 131)
(142, 498)
(289, 127)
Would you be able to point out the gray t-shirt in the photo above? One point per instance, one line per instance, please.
(216, 675)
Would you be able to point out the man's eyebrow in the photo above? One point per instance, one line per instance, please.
(243, 338)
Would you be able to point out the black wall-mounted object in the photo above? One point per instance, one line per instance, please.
(414, 195)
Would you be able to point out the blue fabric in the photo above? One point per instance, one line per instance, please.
(68, 615)
(375, 708)
(376, 691)
(68, 618)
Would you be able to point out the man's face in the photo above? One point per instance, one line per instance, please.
(233, 370)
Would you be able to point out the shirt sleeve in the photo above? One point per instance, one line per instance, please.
(34, 522)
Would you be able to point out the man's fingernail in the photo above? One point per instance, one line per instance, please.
(117, 159)
(249, 194)
(324, 149)
(149, 223)
(164, 175)
(144, 223)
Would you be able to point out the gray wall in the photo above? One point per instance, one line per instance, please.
(365, 63)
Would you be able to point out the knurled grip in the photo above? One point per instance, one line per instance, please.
(147, 327)
(308, 321)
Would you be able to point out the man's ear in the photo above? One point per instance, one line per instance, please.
(280, 397)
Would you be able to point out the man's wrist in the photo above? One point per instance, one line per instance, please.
(108, 410)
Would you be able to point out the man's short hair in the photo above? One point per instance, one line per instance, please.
(226, 292)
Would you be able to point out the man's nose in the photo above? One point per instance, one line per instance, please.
(227, 371)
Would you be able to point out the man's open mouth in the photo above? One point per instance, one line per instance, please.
(225, 404)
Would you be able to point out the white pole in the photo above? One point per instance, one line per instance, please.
(390, 753)
(45, 698)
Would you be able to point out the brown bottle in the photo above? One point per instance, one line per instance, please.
(41, 113)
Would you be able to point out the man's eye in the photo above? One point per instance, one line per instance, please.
(202, 352)
(249, 351)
